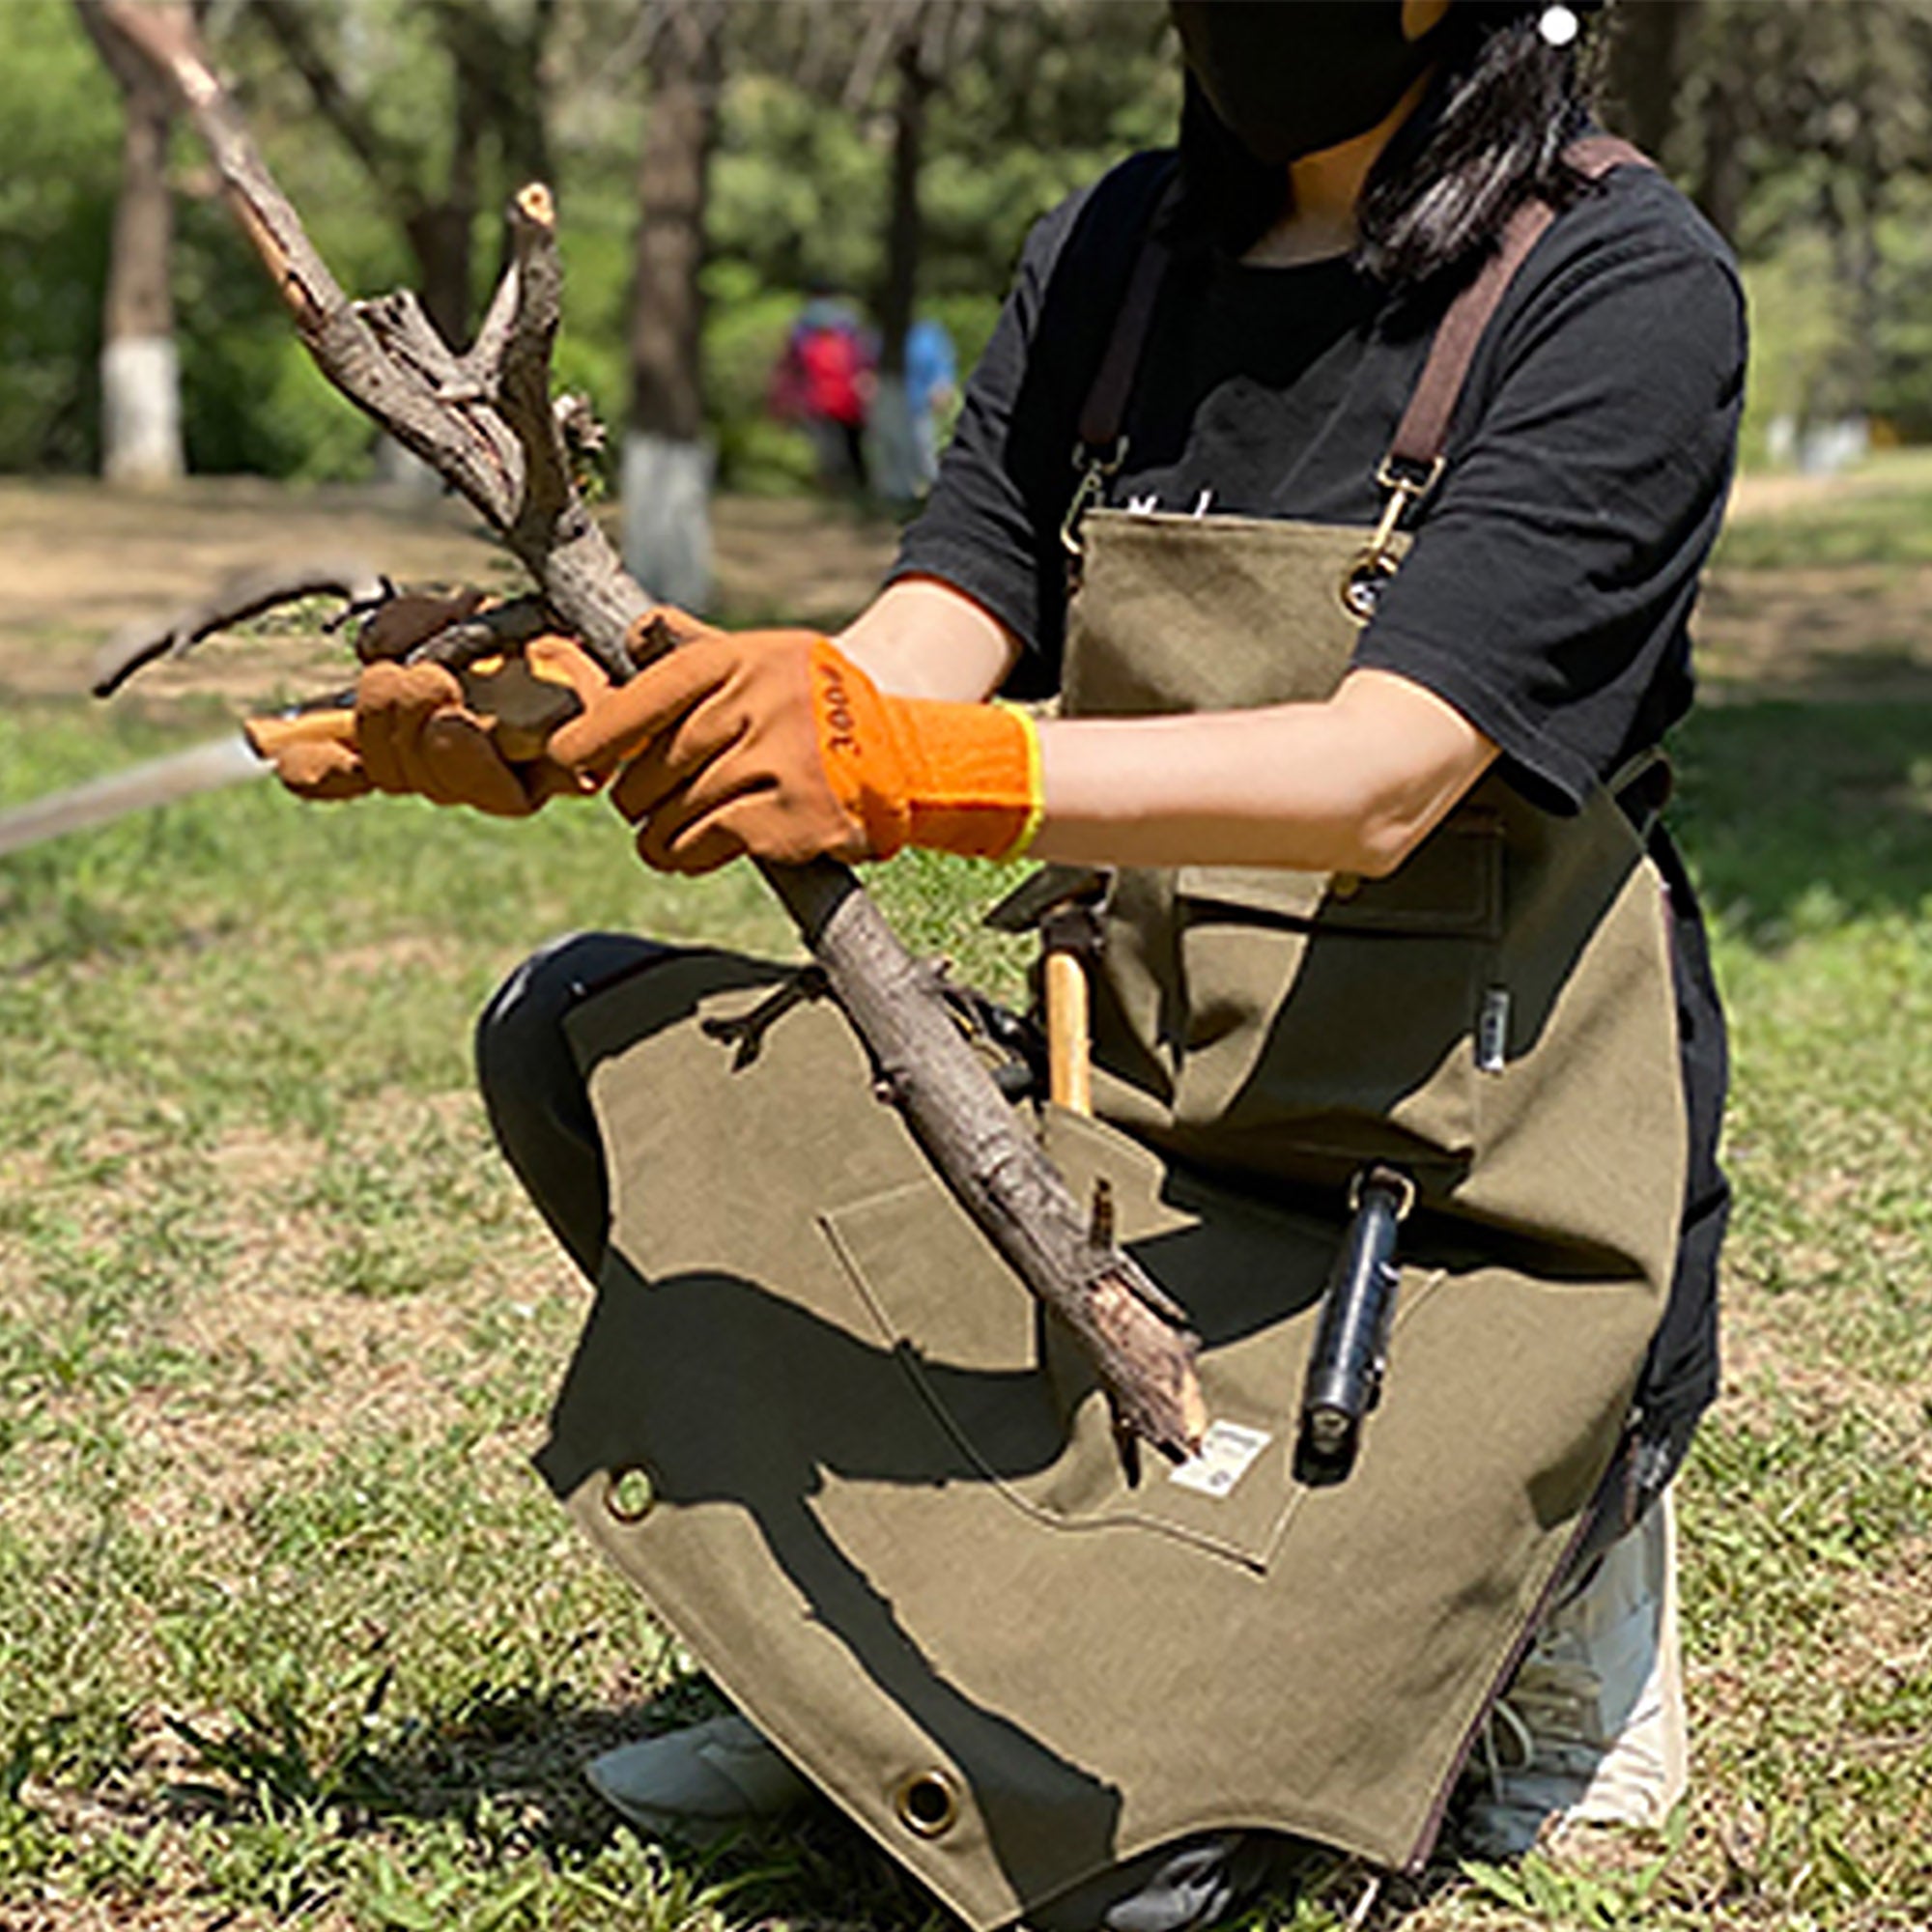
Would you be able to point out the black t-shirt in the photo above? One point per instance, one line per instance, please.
(1550, 584)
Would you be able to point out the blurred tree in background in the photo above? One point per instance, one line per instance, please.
(897, 148)
(57, 195)
(425, 99)
(1804, 129)
(140, 366)
(667, 455)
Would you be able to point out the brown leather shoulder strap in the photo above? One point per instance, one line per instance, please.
(1596, 154)
(1424, 430)
(1425, 424)
(1106, 406)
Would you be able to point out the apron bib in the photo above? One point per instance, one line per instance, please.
(835, 1442)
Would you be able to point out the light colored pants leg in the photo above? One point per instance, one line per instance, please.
(1592, 1729)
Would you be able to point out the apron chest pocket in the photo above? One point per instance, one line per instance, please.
(1338, 1018)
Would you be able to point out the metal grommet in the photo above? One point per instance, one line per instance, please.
(1361, 584)
(927, 1803)
(1344, 885)
(629, 1494)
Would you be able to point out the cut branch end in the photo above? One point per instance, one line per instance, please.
(536, 205)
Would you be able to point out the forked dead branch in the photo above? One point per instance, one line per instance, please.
(486, 421)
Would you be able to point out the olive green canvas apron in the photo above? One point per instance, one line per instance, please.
(825, 1430)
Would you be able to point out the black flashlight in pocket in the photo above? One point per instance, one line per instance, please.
(1349, 1355)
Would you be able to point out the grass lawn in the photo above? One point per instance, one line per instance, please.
(289, 1628)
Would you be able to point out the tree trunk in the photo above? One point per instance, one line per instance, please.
(440, 237)
(493, 80)
(1723, 176)
(505, 68)
(1646, 70)
(666, 497)
(140, 371)
(1731, 107)
(667, 462)
(1865, 175)
(895, 464)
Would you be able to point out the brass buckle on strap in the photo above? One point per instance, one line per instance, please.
(1376, 562)
(1096, 468)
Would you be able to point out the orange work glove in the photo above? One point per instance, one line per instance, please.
(772, 743)
(422, 729)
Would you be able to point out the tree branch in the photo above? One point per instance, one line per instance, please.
(409, 337)
(994, 1168)
(482, 365)
(240, 597)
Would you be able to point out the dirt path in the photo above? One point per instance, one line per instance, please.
(79, 561)
(1855, 634)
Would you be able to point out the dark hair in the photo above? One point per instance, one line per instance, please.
(1489, 136)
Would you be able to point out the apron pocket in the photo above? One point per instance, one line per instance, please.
(1337, 1016)
(1020, 1397)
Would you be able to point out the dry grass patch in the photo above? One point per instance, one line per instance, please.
(1824, 635)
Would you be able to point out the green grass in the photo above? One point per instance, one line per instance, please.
(289, 1630)
(1862, 530)
(286, 1627)
(1880, 515)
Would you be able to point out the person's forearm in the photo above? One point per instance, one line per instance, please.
(1352, 785)
(920, 638)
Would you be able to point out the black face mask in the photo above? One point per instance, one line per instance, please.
(1291, 77)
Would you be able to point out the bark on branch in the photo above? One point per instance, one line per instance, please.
(245, 595)
(487, 424)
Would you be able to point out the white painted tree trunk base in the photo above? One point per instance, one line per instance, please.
(401, 469)
(899, 474)
(667, 493)
(140, 411)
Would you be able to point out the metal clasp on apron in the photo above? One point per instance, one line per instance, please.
(1406, 483)
(1097, 468)
(745, 1031)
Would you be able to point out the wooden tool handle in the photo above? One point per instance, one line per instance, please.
(517, 704)
(269, 737)
(1068, 1069)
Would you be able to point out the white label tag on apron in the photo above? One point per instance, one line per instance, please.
(1493, 1030)
(1226, 1454)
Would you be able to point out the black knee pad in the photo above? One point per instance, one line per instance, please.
(522, 1019)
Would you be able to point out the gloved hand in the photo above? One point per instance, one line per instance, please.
(458, 741)
(772, 743)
